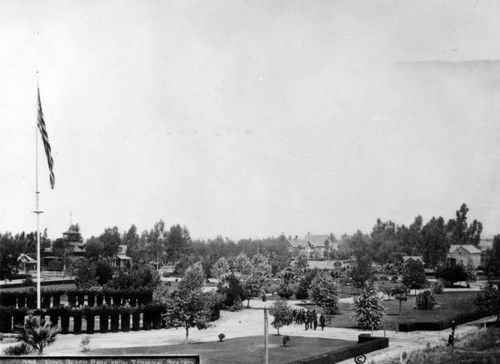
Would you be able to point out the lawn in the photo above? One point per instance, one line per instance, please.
(452, 304)
(246, 350)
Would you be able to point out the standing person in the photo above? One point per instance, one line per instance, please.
(306, 319)
(322, 322)
(315, 321)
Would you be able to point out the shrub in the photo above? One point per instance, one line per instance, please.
(286, 339)
(28, 281)
(285, 291)
(17, 350)
(85, 344)
(425, 301)
(437, 287)
(221, 337)
(37, 333)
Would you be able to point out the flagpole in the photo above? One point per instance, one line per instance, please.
(37, 212)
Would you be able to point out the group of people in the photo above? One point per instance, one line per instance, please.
(309, 319)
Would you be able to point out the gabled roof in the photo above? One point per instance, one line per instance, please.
(414, 257)
(469, 248)
(317, 239)
(23, 258)
(298, 243)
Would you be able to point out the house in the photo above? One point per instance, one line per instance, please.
(296, 245)
(320, 245)
(317, 246)
(462, 253)
(76, 249)
(121, 260)
(27, 263)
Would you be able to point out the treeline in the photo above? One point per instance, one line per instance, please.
(388, 242)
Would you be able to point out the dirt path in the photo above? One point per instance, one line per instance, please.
(248, 322)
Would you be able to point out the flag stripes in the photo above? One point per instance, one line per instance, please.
(46, 144)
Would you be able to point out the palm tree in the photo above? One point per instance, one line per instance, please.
(37, 333)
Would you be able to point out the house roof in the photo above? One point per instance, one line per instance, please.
(23, 258)
(469, 248)
(414, 257)
(298, 243)
(317, 239)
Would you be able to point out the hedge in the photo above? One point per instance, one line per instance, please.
(75, 297)
(70, 320)
(441, 324)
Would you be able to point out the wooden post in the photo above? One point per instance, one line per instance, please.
(266, 339)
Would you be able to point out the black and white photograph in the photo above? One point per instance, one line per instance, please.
(249, 181)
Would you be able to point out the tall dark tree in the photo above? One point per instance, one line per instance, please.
(384, 241)
(9, 252)
(410, 240)
(492, 257)
(111, 239)
(414, 274)
(460, 232)
(177, 242)
(94, 249)
(362, 272)
(434, 241)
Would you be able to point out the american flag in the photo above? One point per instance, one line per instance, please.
(46, 144)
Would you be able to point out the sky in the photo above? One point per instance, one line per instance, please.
(250, 118)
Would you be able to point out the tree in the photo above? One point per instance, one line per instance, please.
(94, 249)
(140, 276)
(401, 294)
(488, 301)
(36, 333)
(451, 272)
(253, 281)
(193, 278)
(492, 257)
(187, 308)
(368, 310)
(103, 271)
(185, 261)
(9, 254)
(302, 292)
(435, 244)
(177, 241)
(325, 292)
(462, 233)
(220, 269)
(111, 240)
(301, 262)
(282, 313)
(470, 273)
(85, 276)
(362, 271)
(133, 242)
(383, 239)
(414, 274)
